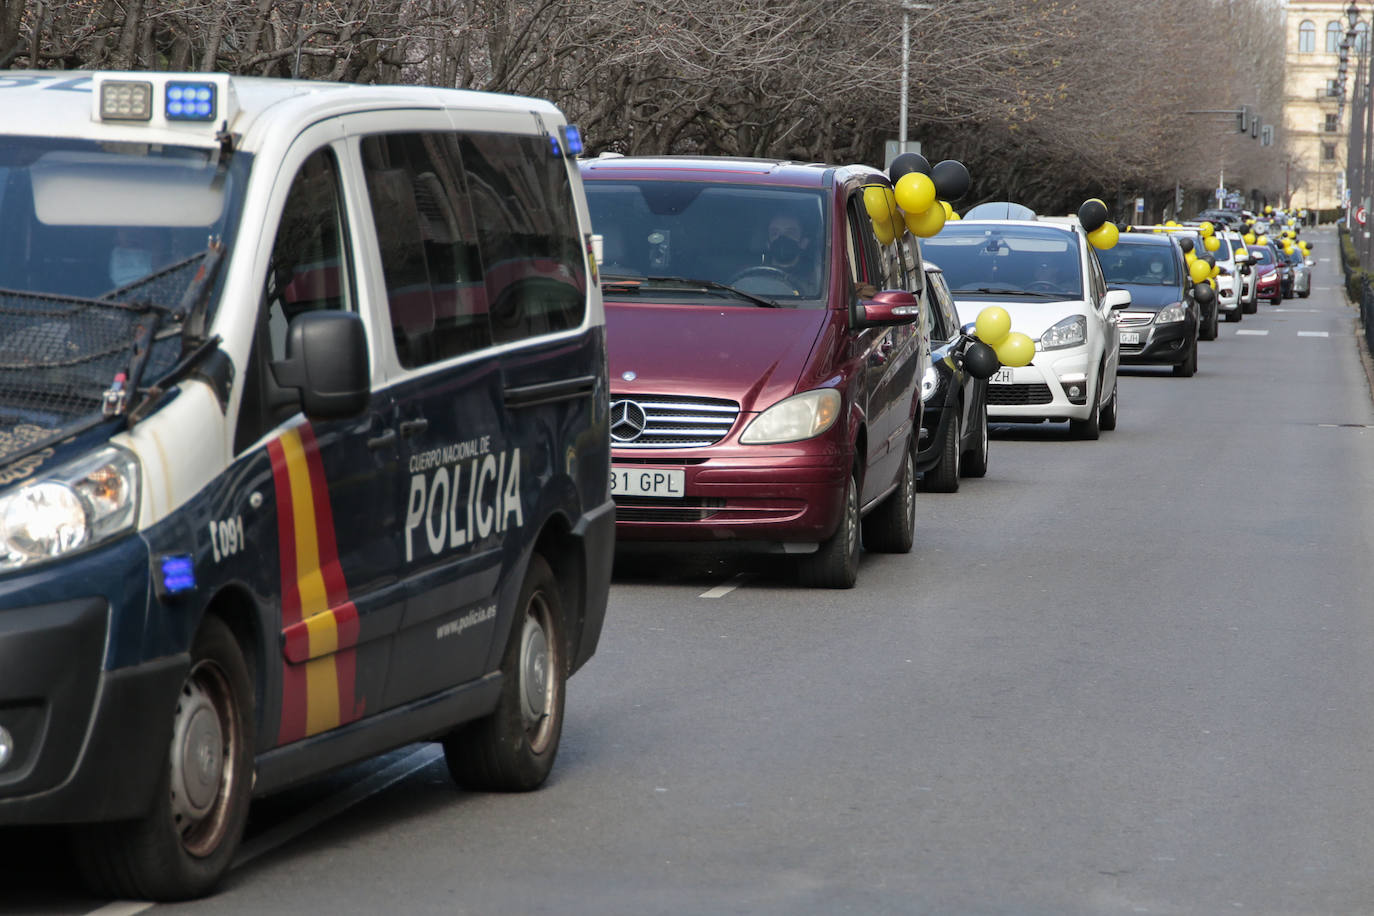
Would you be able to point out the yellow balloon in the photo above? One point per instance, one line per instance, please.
(1199, 270)
(884, 231)
(992, 325)
(1287, 248)
(875, 202)
(1268, 208)
(1249, 238)
(915, 192)
(949, 210)
(953, 216)
(1016, 350)
(1263, 240)
(1242, 254)
(924, 225)
(1206, 229)
(1169, 222)
(1212, 271)
(1211, 243)
(1104, 236)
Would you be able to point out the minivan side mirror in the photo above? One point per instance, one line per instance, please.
(1116, 299)
(326, 361)
(887, 308)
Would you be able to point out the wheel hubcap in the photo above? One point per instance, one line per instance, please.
(205, 741)
(538, 666)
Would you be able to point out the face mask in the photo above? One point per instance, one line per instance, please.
(783, 250)
(129, 264)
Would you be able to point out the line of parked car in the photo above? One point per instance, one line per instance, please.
(786, 374)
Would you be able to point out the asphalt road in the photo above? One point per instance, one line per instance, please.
(1126, 676)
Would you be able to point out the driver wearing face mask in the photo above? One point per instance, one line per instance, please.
(789, 252)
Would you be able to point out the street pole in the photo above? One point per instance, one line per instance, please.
(906, 70)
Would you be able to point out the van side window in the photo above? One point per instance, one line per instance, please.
(311, 269)
(532, 254)
(428, 244)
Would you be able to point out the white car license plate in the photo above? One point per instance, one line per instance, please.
(1002, 376)
(1130, 337)
(660, 482)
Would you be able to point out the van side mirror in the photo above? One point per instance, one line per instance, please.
(887, 308)
(1116, 299)
(326, 361)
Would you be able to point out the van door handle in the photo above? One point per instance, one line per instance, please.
(387, 437)
(411, 427)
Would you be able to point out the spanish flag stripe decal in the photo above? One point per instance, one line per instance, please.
(320, 631)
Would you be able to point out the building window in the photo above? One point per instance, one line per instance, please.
(1333, 36)
(1307, 36)
(1332, 123)
(1328, 152)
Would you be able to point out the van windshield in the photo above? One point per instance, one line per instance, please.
(697, 241)
(99, 244)
(1007, 260)
(1139, 264)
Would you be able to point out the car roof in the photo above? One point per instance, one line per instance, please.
(726, 169)
(1144, 238)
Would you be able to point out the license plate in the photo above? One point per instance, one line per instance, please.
(1130, 337)
(1002, 376)
(660, 482)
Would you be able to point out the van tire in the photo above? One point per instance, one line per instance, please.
(836, 563)
(156, 857)
(891, 528)
(513, 748)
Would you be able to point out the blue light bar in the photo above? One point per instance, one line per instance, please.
(572, 139)
(178, 574)
(191, 101)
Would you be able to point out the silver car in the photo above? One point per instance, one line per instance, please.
(1302, 272)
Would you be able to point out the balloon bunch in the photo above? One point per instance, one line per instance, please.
(1101, 233)
(1209, 236)
(1202, 269)
(923, 191)
(993, 327)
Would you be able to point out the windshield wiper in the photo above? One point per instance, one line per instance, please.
(628, 284)
(1039, 294)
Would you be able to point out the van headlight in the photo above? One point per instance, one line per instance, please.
(1070, 332)
(930, 383)
(801, 416)
(1171, 314)
(72, 508)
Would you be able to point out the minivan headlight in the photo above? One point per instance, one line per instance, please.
(930, 383)
(1171, 314)
(801, 416)
(72, 508)
(1070, 332)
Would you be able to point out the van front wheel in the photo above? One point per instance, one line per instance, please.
(513, 749)
(183, 847)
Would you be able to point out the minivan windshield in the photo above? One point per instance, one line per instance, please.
(701, 241)
(1007, 261)
(1140, 264)
(99, 244)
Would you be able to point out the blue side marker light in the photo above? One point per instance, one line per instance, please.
(178, 575)
(187, 101)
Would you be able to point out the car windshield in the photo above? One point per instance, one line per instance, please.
(1008, 261)
(700, 241)
(1262, 254)
(1223, 252)
(99, 244)
(1140, 264)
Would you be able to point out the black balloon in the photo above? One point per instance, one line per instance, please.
(1211, 259)
(1092, 214)
(1204, 294)
(951, 179)
(980, 360)
(907, 163)
(1185, 244)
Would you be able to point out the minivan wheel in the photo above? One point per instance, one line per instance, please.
(513, 748)
(944, 477)
(836, 564)
(1109, 413)
(891, 528)
(1091, 428)
(186, 843)
(975, 463)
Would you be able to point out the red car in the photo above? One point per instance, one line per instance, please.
(1268, 280)
(766, 353)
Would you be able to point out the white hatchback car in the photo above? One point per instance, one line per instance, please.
(1046, 275)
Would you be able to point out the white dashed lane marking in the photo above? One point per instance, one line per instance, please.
(1252, 333)
(1314, 334)
(720, 591)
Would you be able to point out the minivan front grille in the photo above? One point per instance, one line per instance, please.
(1016, 395)
(669, 421)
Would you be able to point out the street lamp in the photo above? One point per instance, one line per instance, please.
(906, 67)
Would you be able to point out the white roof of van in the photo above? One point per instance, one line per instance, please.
(58, 103)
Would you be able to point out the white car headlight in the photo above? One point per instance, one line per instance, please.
(74, 507)
(1171, 314)
(930, 383)
(1070, 332)
(793, 419)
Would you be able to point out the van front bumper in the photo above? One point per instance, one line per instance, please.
(87, 744)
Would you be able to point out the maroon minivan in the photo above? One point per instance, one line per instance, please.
(766, 352)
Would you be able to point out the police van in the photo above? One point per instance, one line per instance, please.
(304, 448)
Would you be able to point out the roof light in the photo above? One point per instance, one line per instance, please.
(191, 101)
(572, 139)
(126, 100)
